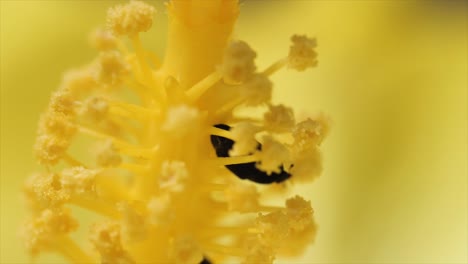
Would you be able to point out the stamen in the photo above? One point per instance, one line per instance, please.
(137, 168)
(238, 119)
(236, 160)
(107, 239)
(302, 54)
(140, 54)
(202, 86)
(121, 47)
(238, 63)
(102, 39)
(71, 250)
(130, 129)
(278, 65)
(131, 110)
(144, 153)
(147, 73)
(117, 142)
(122, 146)
(72, 161)
(96, 205)
(136, 84)
(131, 18)
(267, 208)
(215, 131)
(111, 189)
(229, 106)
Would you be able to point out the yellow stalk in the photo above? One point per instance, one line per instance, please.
(72, 161)
(135, 85)
(220, 132)
(202, 86)
(268, 208)
(229, 106)
(275, 67)
(140, 53)
(236, 160)
(96, 205)
(157, 91)
(111, 189)
(129, 128)
(117, 142)
(72, 251)
(132, 110)
(121, 47)
(139, 169)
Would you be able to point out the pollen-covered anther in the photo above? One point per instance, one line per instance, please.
(111, 68)
(131, 18)
(79, 180)
(106, 238)
(102, 39)
(238, 63)
(134, 226)
(274, 228)
(310, 133)
(96, 108)
(299, 212)
(185, 250)
(302, 228)
(107, 154)
(49, 149)
(307, 165)
(173, 176)
(259, 253)
(56, 124)
(242, 197)
(40, 232)
(181, 120)
(272, 156)
(243, 135)
(257, 90)
(278, 233)
(63, 102)
(302, 53)
(307, 159)
(79, 82)
(44, 190)
(54, 135)
(279, 118)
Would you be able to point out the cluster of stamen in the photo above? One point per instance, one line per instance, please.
(174, 171)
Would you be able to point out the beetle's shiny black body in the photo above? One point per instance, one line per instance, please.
(205, 261)
(244, 171)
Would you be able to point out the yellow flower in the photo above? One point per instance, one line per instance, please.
(178, 173)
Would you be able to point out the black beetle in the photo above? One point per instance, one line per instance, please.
(244, 171)
(205, 261)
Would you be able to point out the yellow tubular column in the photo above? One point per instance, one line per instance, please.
(199, 31)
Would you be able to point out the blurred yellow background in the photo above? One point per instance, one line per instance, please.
(392, 76)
